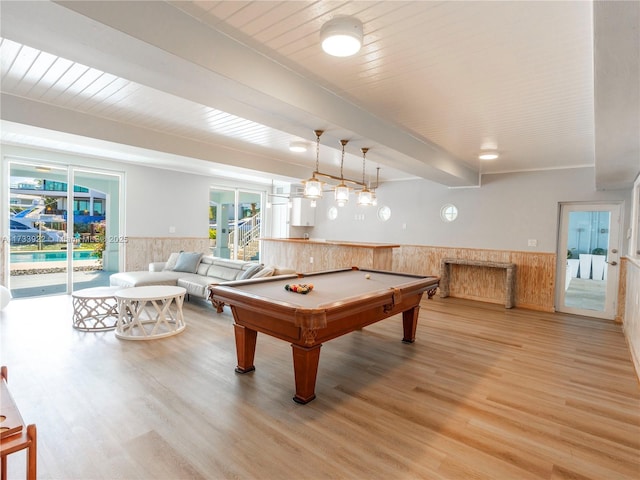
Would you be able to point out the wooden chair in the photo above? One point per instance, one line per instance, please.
(14, 434)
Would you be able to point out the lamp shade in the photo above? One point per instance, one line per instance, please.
(342, 194)
(341, 36)
(364, 197)
(313, 188)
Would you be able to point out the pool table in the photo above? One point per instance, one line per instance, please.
(340, 302)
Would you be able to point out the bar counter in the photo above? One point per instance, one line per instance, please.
(316, 255)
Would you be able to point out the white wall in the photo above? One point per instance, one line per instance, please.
(160, 199)
(502, 214)
(507, 211)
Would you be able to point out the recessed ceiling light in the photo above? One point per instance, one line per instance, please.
(298, 146)
(341, 36)
(488, 155)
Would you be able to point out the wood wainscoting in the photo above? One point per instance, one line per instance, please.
(631, 303)
(535, 273)
(325, 255)
(141, 251)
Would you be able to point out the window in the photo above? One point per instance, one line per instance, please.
(384, 213)
(449, 212)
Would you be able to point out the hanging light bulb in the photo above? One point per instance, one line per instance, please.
(342, 191)
(313, 203)
(313, 186)
(365, 198)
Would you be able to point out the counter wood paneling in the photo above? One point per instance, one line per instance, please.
(327, 255)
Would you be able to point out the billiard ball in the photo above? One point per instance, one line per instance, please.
(367, 276)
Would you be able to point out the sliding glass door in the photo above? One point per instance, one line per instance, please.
(64, 228)
(96, 228)
(37, 230)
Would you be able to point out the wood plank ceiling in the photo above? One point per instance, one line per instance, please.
(232, 83)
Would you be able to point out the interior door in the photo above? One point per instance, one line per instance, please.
(588, 259)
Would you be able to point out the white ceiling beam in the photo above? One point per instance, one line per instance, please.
(617, 93)
(27, 112)
(157, 45)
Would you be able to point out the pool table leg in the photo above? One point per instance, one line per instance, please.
(245, 348)
(305, 368)
(410, 324)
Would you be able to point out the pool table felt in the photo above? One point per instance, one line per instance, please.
(328, 288)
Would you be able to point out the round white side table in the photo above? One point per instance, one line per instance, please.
(95, 309)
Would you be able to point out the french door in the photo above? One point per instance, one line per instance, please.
(588, 259)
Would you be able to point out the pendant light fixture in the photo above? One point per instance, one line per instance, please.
(342, 191)
(313, 186)
(374, 195)
(364, 196)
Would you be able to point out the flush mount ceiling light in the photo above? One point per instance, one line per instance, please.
(488, 155)
(341, 36)
(298, 146)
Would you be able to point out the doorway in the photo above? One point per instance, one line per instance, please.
(64, 225)
(588, 259)
(235, 223)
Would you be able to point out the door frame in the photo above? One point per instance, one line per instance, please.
(615, 208)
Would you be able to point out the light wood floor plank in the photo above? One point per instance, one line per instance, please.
(483, 393)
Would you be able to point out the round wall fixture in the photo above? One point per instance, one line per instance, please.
(448, 212)
(332, 213)
(384, 213)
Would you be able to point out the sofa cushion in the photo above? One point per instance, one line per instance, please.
(265, 272)
(226, 270)
(195, 284)
(251, 271)
(187, 262)
(171, 262)
(283, 271)
(207, 259)
(141, 279)
(202, 268)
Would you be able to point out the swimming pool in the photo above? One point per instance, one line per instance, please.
(50, 256)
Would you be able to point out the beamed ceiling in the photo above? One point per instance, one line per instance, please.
(224, 86)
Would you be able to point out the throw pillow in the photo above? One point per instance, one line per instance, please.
(250, 272)
(265, 272)
(171, 263)
(187, 262)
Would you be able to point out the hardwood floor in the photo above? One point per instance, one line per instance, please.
(484, 393)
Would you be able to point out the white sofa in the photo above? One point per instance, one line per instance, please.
(195, 272)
